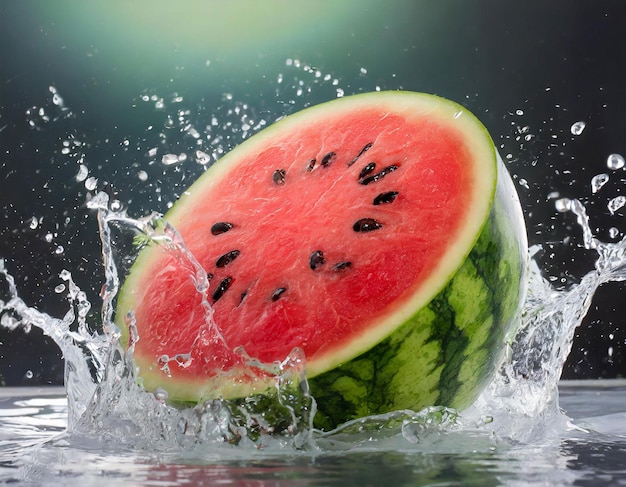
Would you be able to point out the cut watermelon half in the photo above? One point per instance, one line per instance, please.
(378, 233)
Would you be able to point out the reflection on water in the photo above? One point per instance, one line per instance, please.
(33, 448)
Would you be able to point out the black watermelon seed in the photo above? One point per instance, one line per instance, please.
(367, 169)
(243, 295)
(222, 288)
(227, 258)
(209, 276)
(328, 158)
(279, 177)
(316, 259)
(365, 148)
(340, 266)
(221, 227)
(278, 293)
(366, 225)
(387, 197)
(379, 175)
(311, 165)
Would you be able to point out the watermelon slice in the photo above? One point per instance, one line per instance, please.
(378, 233)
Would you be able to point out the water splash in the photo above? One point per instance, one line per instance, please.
(105, 400)
(84, 349)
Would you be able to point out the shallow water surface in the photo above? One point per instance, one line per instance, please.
(34, 449)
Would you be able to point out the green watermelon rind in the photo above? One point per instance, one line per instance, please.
(459, 337)
(483, 215)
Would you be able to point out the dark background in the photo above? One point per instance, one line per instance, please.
(529, 68)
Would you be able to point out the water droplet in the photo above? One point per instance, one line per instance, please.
(524, 183)
(363, 71)
(163, 360)
(59, 250)
(598, 181)
(339, 93)
(9, 322)
(458, 114)
(65, 275)
(519, 112)
(160, 394)
(202, 157)
(613, 232)
(170, 159)
(152, 152)
(91, 183)
(616, 203)
(142, 175)
(31, 116)
(183, 359)
(60, 288)
(116, 205)
(33, 223)
(563, 204)
(48, 237)
(29, 374)
(577, 128)
(82, 173)
(615, 161)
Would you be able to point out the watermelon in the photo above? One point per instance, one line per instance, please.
(377, 233)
